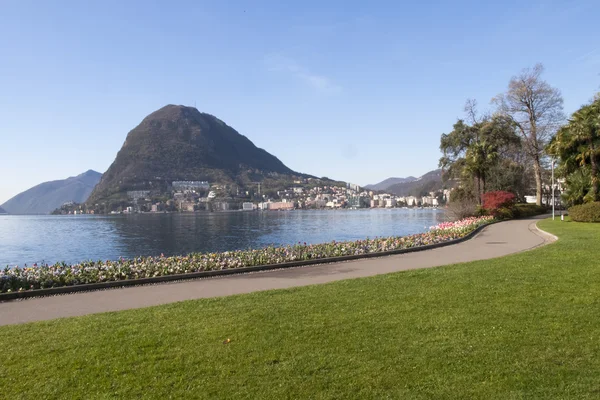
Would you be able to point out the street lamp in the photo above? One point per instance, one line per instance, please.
(552, 188)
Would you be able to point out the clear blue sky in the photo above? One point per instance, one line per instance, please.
(358, 91)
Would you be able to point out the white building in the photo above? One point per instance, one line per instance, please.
(411, 201)
(189, 185)
(353, 186)
(138, 194)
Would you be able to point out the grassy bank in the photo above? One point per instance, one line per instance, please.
(524, 326)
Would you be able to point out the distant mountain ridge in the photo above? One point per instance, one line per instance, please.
(47, 196)
(3, 211)
(181, 143)
(383, 185)
(410, 186)
(430, 182)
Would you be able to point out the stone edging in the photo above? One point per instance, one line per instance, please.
(547, 235)
(222, 272)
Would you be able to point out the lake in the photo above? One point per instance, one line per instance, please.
(46, 238)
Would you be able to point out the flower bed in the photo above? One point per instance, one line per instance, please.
(62, 274)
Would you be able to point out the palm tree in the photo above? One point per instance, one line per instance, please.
(578, 189)
(578, 145)
(586, 130)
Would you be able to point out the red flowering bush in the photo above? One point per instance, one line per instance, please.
(499, 203)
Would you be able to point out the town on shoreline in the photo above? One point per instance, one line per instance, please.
(198, 196)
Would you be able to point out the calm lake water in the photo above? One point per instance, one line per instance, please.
(29, 239)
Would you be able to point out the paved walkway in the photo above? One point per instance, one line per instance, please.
(494, 241)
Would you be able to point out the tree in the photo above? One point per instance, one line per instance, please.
(585, 127)
(535, 108)
(471, 150)
(509, 175)
(577, 144)
(577, 187)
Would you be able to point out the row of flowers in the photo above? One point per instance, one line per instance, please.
(461, 225)
(62, 274)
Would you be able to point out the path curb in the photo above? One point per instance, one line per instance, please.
(547, 235)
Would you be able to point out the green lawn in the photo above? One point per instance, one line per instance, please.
(524, 326)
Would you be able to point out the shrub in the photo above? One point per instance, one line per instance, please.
(528, 210)
(493, 201)
(589, 212)
(462, 209)
(462, 204)
(504, 213)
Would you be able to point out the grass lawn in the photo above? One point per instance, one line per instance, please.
(524, 326)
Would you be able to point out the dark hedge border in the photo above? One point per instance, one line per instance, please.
(205, 274)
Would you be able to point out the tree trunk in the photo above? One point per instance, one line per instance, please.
(482, 184)
(481, 189)
(594, 164)
(537, 169)
(478, 179)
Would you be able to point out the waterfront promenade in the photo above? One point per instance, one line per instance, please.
(494, 241)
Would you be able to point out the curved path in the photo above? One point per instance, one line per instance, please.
(494, 241)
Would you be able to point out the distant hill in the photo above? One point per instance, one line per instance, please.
(2, 211)
(430, 182)
(47, 196)
(383, 185)
(181, 143)
(411, 186)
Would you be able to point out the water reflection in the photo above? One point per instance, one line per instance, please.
(29, 239)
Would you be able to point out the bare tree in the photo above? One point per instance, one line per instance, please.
(471, 111)
(536, 108)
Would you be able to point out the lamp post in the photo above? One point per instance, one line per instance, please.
(552, 188)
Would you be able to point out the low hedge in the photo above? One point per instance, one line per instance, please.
(528, 210)
(589, 212)
(515, 211)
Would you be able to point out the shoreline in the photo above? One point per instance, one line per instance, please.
(227, 211)
(248, 211)
(64, 278)
(134, 235)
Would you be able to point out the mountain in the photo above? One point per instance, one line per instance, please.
(47, 196)
(177, 143)
(3, 211)
(411, 186)
(383, 185)
(430, 182)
